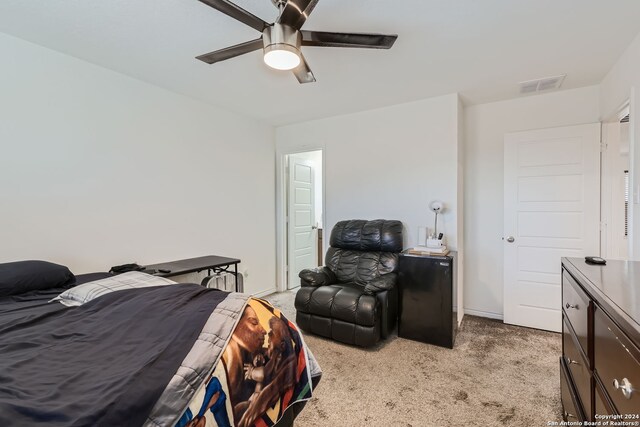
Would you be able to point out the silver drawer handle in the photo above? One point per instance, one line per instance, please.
(567, 305)
(568, 415)
(625, 387)
(575, 362)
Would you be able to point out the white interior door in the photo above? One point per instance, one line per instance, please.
(551, 210)
(302, 243)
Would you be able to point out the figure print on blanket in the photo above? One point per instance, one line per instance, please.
(264, 372)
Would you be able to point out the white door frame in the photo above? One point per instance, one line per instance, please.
(281, 210)
(302, 236)
(610, 128)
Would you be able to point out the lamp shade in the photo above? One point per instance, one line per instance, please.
(436, 206)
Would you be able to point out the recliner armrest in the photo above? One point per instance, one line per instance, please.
(320, 276)
(382, 283)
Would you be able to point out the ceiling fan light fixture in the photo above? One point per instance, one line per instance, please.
(281, 56)
(282, 40)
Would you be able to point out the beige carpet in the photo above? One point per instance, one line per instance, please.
(496, 375)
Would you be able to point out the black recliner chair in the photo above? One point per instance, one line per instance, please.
(353, 299)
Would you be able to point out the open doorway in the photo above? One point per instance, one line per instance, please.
(303, 214)
(616, 191)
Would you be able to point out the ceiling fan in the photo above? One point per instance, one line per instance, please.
(282, 40)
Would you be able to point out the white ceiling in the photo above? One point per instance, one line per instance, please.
(479, 48)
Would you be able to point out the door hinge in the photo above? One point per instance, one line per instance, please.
(603, 147)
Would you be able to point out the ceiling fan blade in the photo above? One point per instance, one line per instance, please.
(303, 73)
(361, 40)
(237, 13)
(231, 51)
(296, 12)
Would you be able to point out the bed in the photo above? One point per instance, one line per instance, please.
(144, 353)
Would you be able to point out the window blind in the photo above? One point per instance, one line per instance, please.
(626, 203)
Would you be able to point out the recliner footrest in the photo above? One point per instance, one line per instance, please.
(338, 330)
(344, 301)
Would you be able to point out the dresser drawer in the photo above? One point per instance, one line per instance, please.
(571, 410)
(577, 367)
(617, 363)
(600, 407)
(575, 304)
(601, 402)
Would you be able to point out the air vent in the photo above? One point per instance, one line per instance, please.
(542, 85)
(625, 119)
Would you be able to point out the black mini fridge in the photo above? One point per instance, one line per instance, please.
(427, 286)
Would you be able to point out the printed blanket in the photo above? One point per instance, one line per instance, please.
(265, 369)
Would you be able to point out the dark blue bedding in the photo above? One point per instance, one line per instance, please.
(83, 366)
(35, 303)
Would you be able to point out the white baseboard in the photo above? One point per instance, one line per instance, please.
(487, 314)
(265, 293)
(479, 313)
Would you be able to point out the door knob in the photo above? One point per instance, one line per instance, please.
(314, 227)
(511, 239)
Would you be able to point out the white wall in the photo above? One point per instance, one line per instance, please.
(98, 169)
(622, 84)
(485, 126)
(386, 163)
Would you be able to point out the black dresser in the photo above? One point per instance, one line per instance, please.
(600, 363)
(427, 286)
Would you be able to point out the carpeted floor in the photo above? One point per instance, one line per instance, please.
(496, 375)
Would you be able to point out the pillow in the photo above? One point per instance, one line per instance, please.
(92, 290)
(23, 276)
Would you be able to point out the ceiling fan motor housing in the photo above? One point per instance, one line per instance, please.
(281, 37)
